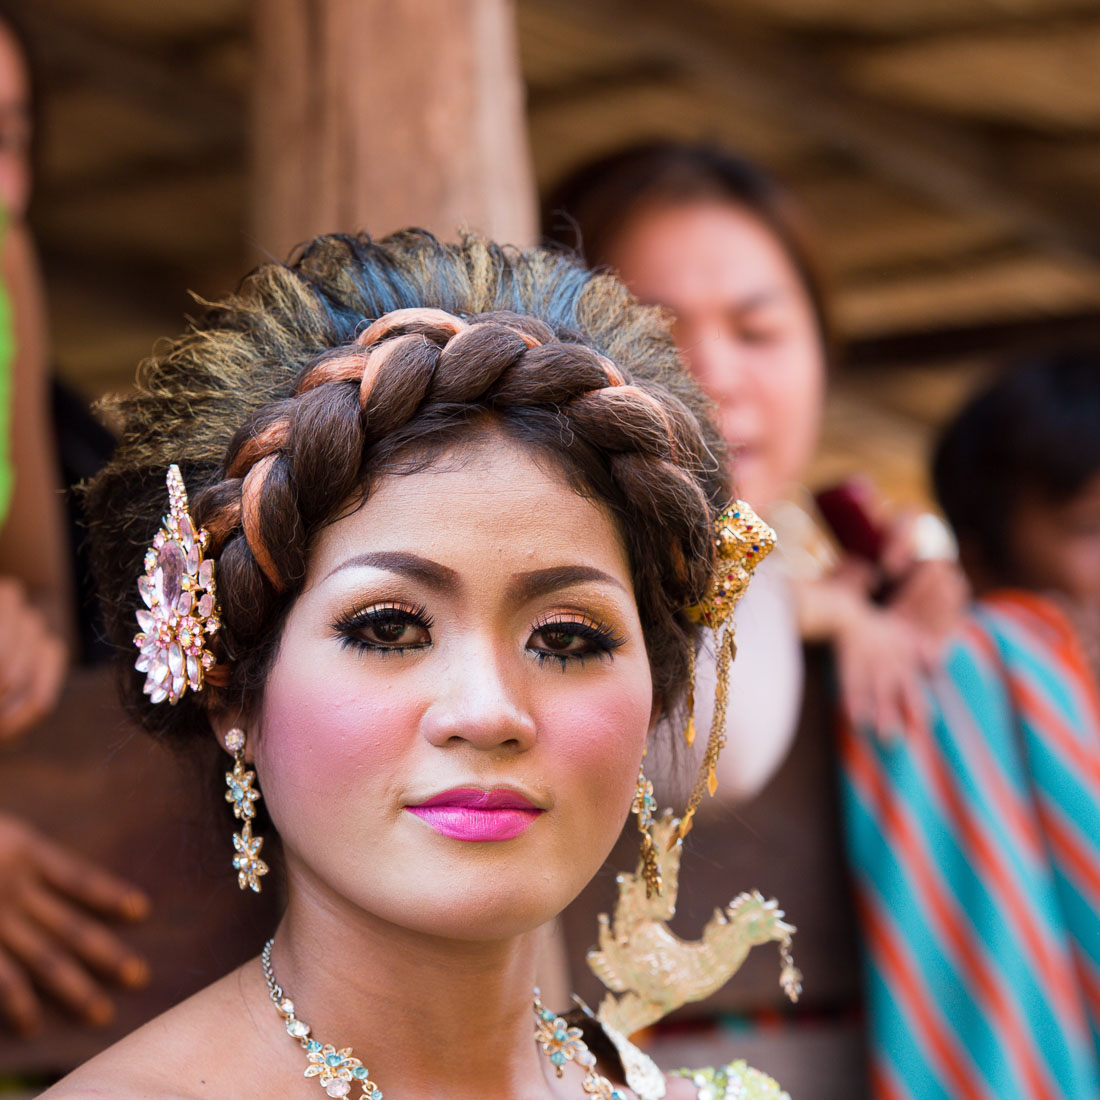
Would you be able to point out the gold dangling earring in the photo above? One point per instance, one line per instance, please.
(649, 970)
(645, 806)
(250, 868)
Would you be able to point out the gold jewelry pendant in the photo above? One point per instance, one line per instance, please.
(644, 807)
(655, 971)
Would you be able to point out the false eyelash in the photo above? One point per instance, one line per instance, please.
(605, 638)
(348, 625)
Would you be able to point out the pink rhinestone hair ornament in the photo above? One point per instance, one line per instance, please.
(181, 609)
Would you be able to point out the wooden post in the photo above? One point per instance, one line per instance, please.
(376, 115)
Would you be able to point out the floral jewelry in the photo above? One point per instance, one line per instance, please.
(337, 1070)
(250, 868)
(334, 1069)
(181, 612)
(562, 1043)
(732, 1082)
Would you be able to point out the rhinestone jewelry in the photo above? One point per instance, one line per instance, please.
(181, 612)
(335, 1070)
(644, 807)
(338, 1070)
(246, 847)
(741, 541)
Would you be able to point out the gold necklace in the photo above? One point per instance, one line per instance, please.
(338, 1070)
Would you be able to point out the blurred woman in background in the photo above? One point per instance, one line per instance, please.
(725, 248)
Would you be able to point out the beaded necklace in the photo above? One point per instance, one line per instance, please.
(338, 1070)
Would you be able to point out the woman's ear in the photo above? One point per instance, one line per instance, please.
(222, 721)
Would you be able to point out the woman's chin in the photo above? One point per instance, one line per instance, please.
(479, 915)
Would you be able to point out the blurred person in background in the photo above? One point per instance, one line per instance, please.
(976, 844)
(54, 903)
(716, 240)
(1017, 473)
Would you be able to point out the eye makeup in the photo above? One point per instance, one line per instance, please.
(391, 626)
(568, 636)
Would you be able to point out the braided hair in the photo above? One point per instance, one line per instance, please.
(283, 404)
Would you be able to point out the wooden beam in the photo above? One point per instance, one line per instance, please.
(966, 76)
(374, 115)
(774, 75)
(971, 22)
(959, 343)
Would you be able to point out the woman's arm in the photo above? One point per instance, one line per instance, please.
(33, 539)
(36, 602)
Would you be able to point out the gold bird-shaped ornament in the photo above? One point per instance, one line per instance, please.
(651, 971)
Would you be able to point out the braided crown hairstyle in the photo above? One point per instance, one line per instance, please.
(282, 405)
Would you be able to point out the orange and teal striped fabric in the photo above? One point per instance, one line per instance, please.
(975, 848)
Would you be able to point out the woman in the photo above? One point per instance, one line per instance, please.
(458, 502)
(720, 244)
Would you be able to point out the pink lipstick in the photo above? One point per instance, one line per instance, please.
(467, 813)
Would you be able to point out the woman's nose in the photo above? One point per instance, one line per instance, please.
(480, 700)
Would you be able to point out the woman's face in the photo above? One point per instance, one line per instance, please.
(745, 325)
(451, 732)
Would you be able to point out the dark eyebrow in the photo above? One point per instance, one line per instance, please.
(525, 586)
(424, 570)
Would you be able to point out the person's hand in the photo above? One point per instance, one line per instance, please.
(881, 659)
(52, 936)
(929, 587)
(32, 661)
(932, 597)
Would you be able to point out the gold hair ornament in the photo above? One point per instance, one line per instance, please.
(741, 542)
(180, 615)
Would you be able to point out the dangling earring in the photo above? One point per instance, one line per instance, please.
(250, 868)
(645, 806)
(649, 969)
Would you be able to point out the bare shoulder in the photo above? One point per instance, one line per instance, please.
(187, 1053)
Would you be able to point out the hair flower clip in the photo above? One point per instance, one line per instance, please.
(181, 610)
